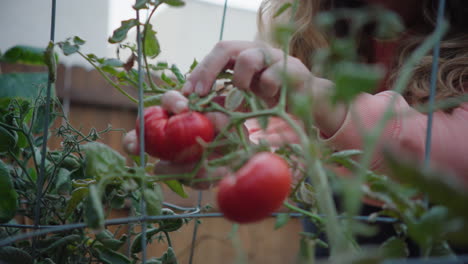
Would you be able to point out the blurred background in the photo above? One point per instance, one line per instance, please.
(185, 34)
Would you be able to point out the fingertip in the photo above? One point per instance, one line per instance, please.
(199, 88)
(187, 88)
(180, 106)
(174, 102)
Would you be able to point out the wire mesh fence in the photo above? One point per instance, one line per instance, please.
(196, 212)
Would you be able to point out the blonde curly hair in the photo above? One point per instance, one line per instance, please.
(453, 63)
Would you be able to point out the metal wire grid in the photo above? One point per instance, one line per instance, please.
(195, 212)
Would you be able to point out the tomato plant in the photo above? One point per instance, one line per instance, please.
(175, 137)
(256, 190)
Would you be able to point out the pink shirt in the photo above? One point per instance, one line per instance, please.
(405, 132)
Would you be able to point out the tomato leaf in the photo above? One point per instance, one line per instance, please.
(352, 79)
(150, 42)
(62, 242)
(193, 65)
(234, 99)
(282, 9)
(121, 33)
(108, 240)
(109, 256)
(394, 247)
(153, 199)
(281, 220)
(136, 245)
(8, 195)
(101, 160)
(141, 4)
(176, 71)
(15, 255)
(94, 213)
(169, 257)
(175, 3)
(152, 100)
(176, 187)
(78, 195)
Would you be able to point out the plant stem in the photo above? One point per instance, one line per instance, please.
(153, 86)
(116, 86)
(316, 217)
(338, 242)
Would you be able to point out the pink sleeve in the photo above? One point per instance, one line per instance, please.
(406, 132)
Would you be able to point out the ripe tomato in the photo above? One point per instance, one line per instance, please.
(174, 137)
(256, 190)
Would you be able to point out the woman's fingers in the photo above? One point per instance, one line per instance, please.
(203, 76)
(252, 62)
(130, 143)
(174, 102)
(271, 80)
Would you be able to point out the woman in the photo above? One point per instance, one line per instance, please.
(405, 133)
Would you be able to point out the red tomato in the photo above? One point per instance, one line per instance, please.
(174, 137)
(256, 190)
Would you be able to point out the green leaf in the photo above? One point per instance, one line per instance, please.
(63, 182)
(94, 212)
(109, 256)
(8, 139)
(433, 183)
(352, 79)
(170, 225)
(38, 125)
(152, 100)
(176, 71)
(281, 220)
(234, 99)
(167, 80)
(174, 2)
(176, 187)
(24, 55)
(78, 41)
(282, 9)
(24, 85)
(141, 4)
(112, 63)
(193, 65)
(12, 255)
(150, 42)
(121, 33)
(77, 196)
(137, 246)
(107, 239)
(169, 257)
(64, 241)
(68, 48)
(153, 199)
(394, 247)
(8, 195)
(101, 160)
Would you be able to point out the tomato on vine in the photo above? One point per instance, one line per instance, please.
(175, 137)
(256, 190)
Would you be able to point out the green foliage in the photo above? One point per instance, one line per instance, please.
(25, 55)
(8, 195)
(120, 34)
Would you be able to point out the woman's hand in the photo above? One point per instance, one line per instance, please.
(256, 67)
(175, 102)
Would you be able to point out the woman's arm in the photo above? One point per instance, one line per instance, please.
(406, 132)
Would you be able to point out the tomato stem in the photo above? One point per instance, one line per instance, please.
(315, 217)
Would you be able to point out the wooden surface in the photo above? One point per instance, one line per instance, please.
(95, 104)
